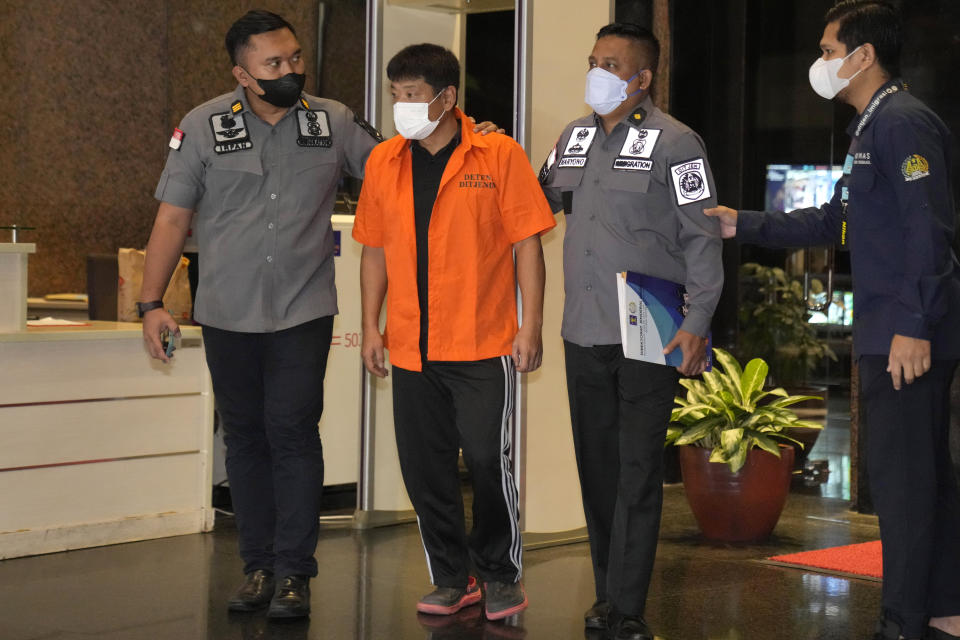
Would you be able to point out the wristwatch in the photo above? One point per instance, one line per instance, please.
(143, 307)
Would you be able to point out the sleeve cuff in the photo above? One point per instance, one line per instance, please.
(912, 325)
(696, 323)
(175, 193)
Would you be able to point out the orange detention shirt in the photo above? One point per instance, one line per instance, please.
(489, 198)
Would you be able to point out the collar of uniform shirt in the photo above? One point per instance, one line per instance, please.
(860, 122)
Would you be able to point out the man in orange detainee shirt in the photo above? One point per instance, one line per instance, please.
(441, 213)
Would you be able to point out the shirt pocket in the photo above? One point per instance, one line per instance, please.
(630, 208)
(567, 179)
(316, 174)
(865, 212)
(233, 179)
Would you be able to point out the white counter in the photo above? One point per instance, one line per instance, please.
(101, 444)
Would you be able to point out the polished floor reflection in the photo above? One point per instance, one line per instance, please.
(176, 588)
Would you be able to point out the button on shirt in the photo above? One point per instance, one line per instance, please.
(488, 200)
(262, 212)
(634, 201)
(900, 218)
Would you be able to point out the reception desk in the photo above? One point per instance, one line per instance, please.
(101, 444)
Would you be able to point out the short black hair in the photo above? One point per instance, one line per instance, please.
(438, 67)
(250, 24)
(648, 42)
(873, 21)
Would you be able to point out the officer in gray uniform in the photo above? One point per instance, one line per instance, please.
(633, 182)
(257, 170)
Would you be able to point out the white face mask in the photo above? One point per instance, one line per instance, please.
(824, 79)
(605, 91)
(412, 119)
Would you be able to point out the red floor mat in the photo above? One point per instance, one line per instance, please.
(863, 559)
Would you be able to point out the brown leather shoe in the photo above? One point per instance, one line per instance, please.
(254, 593)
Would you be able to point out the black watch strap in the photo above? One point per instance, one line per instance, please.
(143, 307)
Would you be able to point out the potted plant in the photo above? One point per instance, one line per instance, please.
(774, 326)
(736, 469)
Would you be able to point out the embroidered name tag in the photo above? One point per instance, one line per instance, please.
(690, 181)
(229, 132)
(632, 164)
(639, 143)
(571, 162)
(313, 127)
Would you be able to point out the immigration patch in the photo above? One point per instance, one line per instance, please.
(639, 143)
(580, 140)
(632, 164)
(313, 128)
(229, 132)
(690, 181)
(915, 167)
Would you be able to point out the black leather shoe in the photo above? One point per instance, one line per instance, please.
(632, 628)
(596, 616)
(254, 593)
(292, 599)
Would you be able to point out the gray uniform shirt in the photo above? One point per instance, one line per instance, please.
(263, 196)
(634, 202)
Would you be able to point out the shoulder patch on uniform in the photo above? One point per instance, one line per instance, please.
(639, 143)
(548, 164)
(176, 139)
(914, 167)
(229, 131)
(369, 128)
(313, 128)
(236, 107)
(690, 181)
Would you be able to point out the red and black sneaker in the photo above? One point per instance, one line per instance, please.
(444, 601)
(504, 599)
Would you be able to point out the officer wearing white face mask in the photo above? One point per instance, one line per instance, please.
(633, 182)
(894, 209)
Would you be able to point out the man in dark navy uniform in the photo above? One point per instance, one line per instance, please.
(893, 207)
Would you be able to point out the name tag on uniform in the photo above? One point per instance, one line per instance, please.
(639, 143)
(571, 162)
(632, 164)
(690, 181)
(313, 127)
(229, 132)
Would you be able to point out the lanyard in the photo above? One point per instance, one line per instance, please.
(899, 85)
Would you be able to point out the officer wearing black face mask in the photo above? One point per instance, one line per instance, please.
(256, 170)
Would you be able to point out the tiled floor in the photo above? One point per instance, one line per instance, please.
(176, 588)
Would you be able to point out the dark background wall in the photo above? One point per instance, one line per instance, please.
(92, 91)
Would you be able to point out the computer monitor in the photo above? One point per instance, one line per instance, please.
(796, 186)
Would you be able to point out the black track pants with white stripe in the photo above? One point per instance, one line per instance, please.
(447, 407)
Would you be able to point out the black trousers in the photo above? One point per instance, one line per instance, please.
(447, 407)
(914, 491)
(620, 409)
(269, 394)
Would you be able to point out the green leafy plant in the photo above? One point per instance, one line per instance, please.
(773, 324)
(730, 412)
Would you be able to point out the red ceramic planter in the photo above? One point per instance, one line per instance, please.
(736, 507)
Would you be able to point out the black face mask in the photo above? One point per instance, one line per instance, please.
(282, 92)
